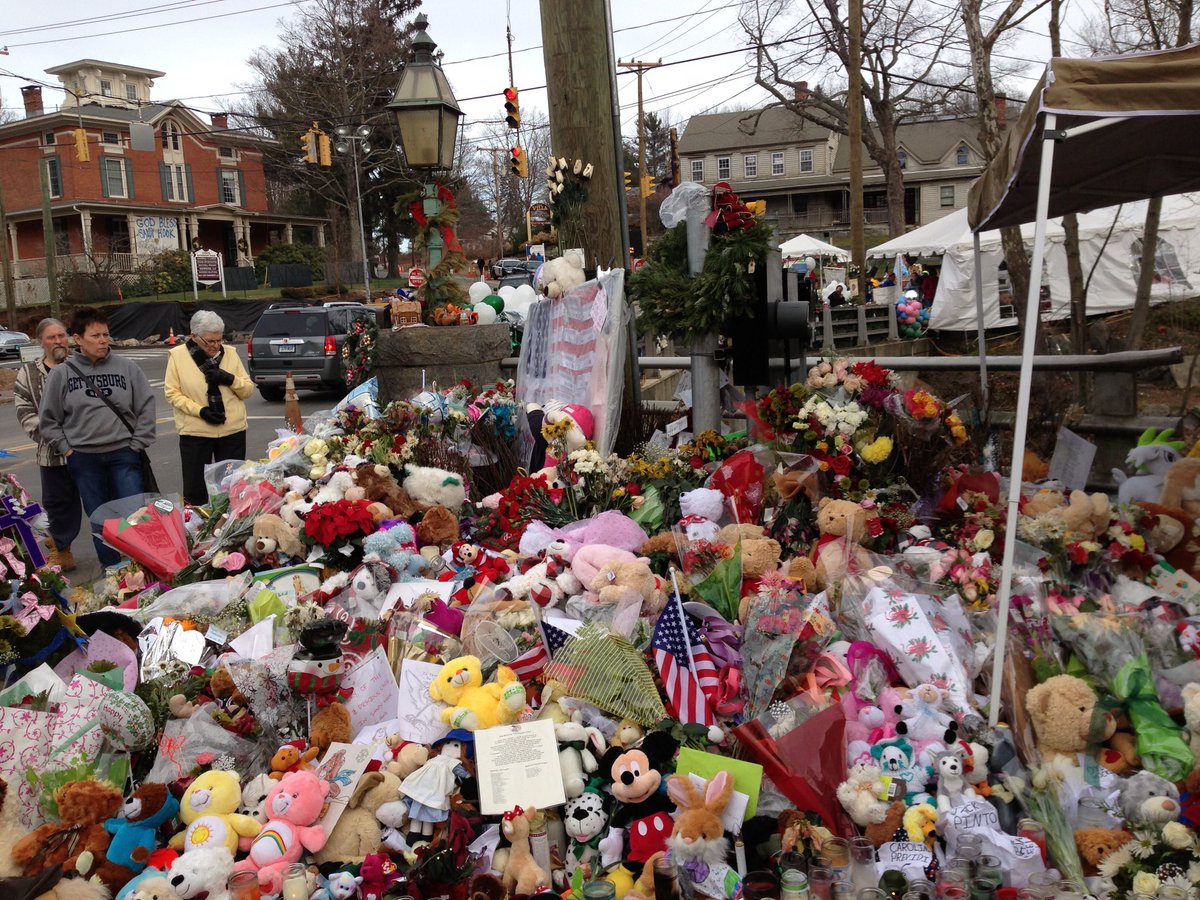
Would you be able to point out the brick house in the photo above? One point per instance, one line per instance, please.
(157, 177)
(802, 170)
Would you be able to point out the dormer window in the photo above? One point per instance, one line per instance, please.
(171, 136)
(105, 88)
(902, 159)
(962, 157)
(131, 92)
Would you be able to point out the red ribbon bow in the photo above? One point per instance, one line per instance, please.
(515, 813)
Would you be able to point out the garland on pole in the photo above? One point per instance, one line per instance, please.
(441, 287)
(360, 351)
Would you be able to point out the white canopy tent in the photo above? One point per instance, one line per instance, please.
(1110, 251)
(805, 245)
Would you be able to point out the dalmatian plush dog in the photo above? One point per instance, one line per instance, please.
(585, 819)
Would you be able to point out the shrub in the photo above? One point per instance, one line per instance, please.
(297, 254)
(298, 293)
(165, 273)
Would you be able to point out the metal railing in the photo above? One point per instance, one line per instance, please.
(117, 263)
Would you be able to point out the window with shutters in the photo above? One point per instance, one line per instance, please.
(54, 170)
(175, 182)
(230, 192)
(114, 176)
(171, 139)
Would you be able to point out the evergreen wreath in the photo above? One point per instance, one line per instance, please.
(441, 287)
(672, 303)
(360, 351)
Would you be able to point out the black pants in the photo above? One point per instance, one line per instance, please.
(60, 500)
(197, 452)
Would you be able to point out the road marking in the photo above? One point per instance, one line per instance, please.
(24, 447)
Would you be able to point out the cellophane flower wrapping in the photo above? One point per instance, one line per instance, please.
(785, 630)
(1110, 647)
(153, 537)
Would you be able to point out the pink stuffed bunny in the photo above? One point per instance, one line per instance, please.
(293, 807)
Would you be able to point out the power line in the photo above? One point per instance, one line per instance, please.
(112, 17)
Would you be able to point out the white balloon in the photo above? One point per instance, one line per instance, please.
(487, 315)
(810, 262)
(506, 293)
(526, 294)
(478, 291)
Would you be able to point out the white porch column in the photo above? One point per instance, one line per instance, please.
(194, 228)
(181, 233)
(85, 225)
(287, 233)
(12, 240)
(320, 232)
(131, 224)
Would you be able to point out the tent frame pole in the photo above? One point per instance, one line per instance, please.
(1020, 425)
(982, 336)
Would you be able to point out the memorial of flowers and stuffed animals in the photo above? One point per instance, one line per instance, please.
(447, 648)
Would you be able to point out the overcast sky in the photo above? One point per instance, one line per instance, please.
(205, 58)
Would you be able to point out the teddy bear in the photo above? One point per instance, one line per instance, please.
(374, 482)
(1085, 515)
(1191, 716)
(579, 748)
(334, 488)
(1147, 799)
(202, 874)
(546, 578)
(330, 725)
(272, 535)
(1176, 536)
(923, 717)
(843, 525)
(83, 808)
(358, 832)
(208, 809)
(292, 757)
(1094, 844)
(438, 528)
(293, 807)
(760, 554)
(471, 704)
(861, 795)
(880, 833)
(897, 761)
(629, 582)
(1060, 710)
(377, 872)
(561, 274)
(431, 486)
(406, 756)
(134, 834)
(701, 509)
(156, 887)
(396, 545)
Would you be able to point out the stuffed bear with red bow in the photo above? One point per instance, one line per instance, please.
(546, 579)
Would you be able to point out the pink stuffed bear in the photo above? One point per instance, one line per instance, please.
(293, 807)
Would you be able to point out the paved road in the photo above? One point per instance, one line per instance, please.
(264, 419)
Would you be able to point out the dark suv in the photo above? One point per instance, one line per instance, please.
(305, 341)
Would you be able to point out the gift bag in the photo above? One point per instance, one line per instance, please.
(184, 740)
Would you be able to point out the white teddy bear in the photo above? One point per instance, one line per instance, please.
(860, 795)
(558, 276)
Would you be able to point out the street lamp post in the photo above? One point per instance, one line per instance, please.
(427, 117)
(348, 140)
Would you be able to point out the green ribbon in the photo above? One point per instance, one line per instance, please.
(1160, 741)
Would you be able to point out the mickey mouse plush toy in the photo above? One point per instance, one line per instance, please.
(638, 785)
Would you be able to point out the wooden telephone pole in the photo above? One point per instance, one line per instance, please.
(640, 68)
(585, 118)
(10, 285)
(854, 122)
(496, 177)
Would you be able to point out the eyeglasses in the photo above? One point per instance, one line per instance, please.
(206, 342)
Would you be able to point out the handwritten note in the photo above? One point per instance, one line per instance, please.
(375, 696)
(518, 766)
(1072, 460)
(416, 710)
(905, 856)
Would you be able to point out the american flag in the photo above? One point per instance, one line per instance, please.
(687, 669)
(532, 663)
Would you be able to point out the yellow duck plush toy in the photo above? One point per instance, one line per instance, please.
(470, 703)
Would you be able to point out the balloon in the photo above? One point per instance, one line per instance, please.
(496, 303)
(486, 313)
(911, 295)
(432, 401)
(506, 292)
(810, 262)
(478, 291)
(126, 721)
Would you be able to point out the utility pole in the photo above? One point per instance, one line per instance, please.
(640, 68)
(48, 235)
(585, 118)
(854, 122)
(10, 285)
(496, 180)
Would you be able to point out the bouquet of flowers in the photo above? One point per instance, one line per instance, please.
(152, 535)
(339, 528)
(1110, 648)
(1153, 860)
(507, 515)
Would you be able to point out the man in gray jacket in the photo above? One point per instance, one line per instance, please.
(102, 445)
(60, 499)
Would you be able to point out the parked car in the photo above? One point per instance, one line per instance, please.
(502, 267)
(516, 279)
(305, 341)
(11, 342)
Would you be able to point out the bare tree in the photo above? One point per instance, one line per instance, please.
(489, 173)
(908, 70)
(7, 113)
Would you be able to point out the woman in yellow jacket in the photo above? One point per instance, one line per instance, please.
(207, 385)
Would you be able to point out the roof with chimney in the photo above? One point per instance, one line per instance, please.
(771, 127)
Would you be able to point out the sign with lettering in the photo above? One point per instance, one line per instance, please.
(539, 214)
(1019, 857)
(207, 269)
(416, 277)
(156, 234)
(905, 856)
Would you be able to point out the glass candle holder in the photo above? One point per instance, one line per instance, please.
(988, 868)
(243, 886)
(1032, 829)
(666, 880)
(923, 888)
(762, 884)
(1091, 813)
(838, 851)
(599, 890)
(862, 863)
(843, 890)
(820, 882)
(1044, 881)
(793, 885)
(873, 893)
(295, 882)
(981, 889)
(947, 880)
(969, 842)
(1068, 890)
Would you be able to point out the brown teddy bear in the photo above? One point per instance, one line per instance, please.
(407, 756)
(273, 535)
(290, 758)
(437, 528)
(376, 484)
(330, 726)
(628, 582)
(83, 808)
(1094, 844)
(1060, 709)
(885, 831)
(1182, 549)
(760, 554)
(843, 526)
(663, 544)
(358, 833)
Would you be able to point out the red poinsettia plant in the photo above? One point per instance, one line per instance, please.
(339, 527)
(526, 498)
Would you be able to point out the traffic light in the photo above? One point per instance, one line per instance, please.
(308, 146)
(323, 149)
(81, 146)
(519, 165)
(647, 186)
(512, 108)
(628, 183)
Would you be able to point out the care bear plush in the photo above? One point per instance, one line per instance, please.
(470, 703)
(843, 525)
(209, 810)
(293, 806)
(1060, 709)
